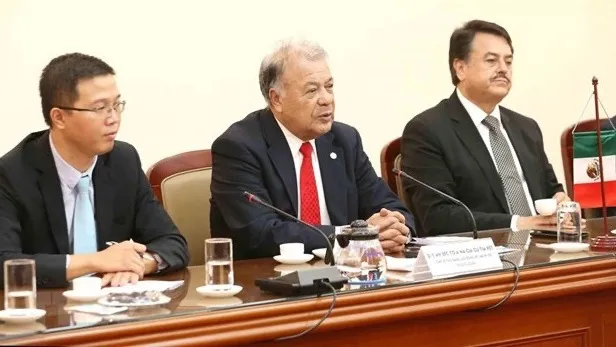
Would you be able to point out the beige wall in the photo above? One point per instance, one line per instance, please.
(189, 68)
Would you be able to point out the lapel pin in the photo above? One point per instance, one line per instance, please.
(333, 155)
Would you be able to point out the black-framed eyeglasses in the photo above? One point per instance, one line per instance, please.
(103, 110)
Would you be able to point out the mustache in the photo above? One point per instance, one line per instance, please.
(500, 76)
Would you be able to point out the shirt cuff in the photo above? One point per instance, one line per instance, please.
(161, 263)
(338, 228)
(68, 261)
(514, 223)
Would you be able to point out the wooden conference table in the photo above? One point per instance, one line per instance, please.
(561, 300)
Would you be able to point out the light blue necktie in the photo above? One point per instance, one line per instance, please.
(84, 226)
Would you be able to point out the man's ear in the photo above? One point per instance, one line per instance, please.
(275, 99)
(460, 67)
(57, 118)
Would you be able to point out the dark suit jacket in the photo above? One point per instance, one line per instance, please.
(253, 155)
(607, 125)
(443, 148)
(33, 221)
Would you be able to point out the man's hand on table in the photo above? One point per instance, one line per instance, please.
(393, 233)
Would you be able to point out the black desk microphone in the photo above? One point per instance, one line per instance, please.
(253, 198)
(405, 175)
(303, 282)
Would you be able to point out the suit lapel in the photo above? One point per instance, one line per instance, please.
(103, 201)
(521, 150)
(280, 155)
(333, 173)
(51, 191)
(467, 132)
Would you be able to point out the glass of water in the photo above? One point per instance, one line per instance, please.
(19, 284)
(219, 263)
(569, 222)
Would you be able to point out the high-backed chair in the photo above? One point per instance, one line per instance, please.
(390, 159)
(182, 184)
(566, 150)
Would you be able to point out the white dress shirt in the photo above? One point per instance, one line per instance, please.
(294, 144)
(478, 115)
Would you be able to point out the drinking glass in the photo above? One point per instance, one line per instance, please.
(569, 222)
(219, 263)
(19, 284)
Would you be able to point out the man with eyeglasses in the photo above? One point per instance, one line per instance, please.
(76, 200)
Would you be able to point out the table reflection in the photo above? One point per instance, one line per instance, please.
(186, 300)
(284, 269)
(558, 257)
(21, 329)
(213, 302)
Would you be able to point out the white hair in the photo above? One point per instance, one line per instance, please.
(273, 65)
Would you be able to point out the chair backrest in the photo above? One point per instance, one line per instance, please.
(399, 186)
(182, 184)
(566, 150)
(389, 156)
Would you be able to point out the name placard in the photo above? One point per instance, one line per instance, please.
(450, 259)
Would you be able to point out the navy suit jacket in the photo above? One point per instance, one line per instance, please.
(253, 155)
(33, 220)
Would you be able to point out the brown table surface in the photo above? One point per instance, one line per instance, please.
(185, 300)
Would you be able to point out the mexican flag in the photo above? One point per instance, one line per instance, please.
(586, 174)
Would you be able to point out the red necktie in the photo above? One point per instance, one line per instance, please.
(310, 210)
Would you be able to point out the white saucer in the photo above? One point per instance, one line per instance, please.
(569, 247)
(320, 252)
(217, 293)
(21, 315)
(82, 297)
(293, 260)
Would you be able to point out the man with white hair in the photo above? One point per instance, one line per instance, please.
(293, 155)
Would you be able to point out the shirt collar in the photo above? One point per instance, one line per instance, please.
(294, 142)
(476, 113)
(69, 176)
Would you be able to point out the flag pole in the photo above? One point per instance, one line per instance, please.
(605, 242)
(595, 81)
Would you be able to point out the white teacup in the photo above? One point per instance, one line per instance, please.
(546, 207)
(87, 285)
(291, 249)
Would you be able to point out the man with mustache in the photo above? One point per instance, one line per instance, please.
(293, 155)
(471, 147)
